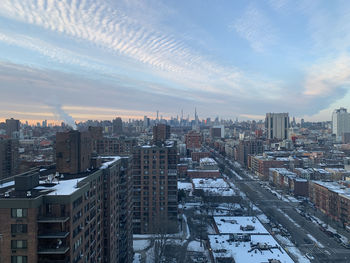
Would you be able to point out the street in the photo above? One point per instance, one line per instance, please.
(305, 235)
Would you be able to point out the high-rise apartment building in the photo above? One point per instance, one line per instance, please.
(340, 123)
(161, 132)
(277, 125)
(12, 126)
(155, 186)
(66, 217)
(9, 158)
(73, 151)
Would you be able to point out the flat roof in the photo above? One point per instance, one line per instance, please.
(237, 225)
(216, 186)
(261, 248)
(61, 184)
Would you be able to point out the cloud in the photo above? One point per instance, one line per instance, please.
(329, 77)
(146, 66)
(117, 30)
(254, 26)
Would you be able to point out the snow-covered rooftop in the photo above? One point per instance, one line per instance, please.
(335, 187)
(111, 159)
(239, 225)
(66, 187)
(207, 161)
(200, 183)
(282, 171)
(261, 248)
(184, 185)
(211, 186)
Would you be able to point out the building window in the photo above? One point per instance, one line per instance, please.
(16, 244)
(19, 212)
(19, 259)
(19, 228)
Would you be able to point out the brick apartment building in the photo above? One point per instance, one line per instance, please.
(161, 132)
(289, 181)
(9, 158)
(68, 217)
(193, 140)
(260, 165)
(73, 151)
(333, 199)
(155, 186)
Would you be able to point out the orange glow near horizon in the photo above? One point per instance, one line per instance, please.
(81, 119)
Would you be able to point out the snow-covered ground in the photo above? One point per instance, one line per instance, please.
(263, 219)
(141, 244)
(187, 228)
(137, 258)
(289, 246)
(195, 246)
(315, 240)
(290, 219)
(236, 174)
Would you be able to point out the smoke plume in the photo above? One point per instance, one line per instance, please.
(60, 114)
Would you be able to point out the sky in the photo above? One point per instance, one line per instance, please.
(98, 59)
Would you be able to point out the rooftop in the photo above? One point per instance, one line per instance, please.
(260, 248)
(239, 225)
(52, 184)
(335, 187)
(216, 186)
(207, 161)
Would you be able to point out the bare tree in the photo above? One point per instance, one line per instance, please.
(163, 228)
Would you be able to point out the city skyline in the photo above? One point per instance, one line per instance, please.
(102, 59)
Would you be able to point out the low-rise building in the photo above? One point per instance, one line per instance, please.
(331, 198)
(244, 239)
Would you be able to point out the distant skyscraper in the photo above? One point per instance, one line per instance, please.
(44, 124)
(12, 126)
(277, 125)
(146, 122)
(117, 126)
(217, 131)
(340, 122)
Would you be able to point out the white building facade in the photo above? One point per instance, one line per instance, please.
(340, 122)
(277, 125)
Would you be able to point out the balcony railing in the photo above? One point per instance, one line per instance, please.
(54, 235)
(53, 219)
(53, 251)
